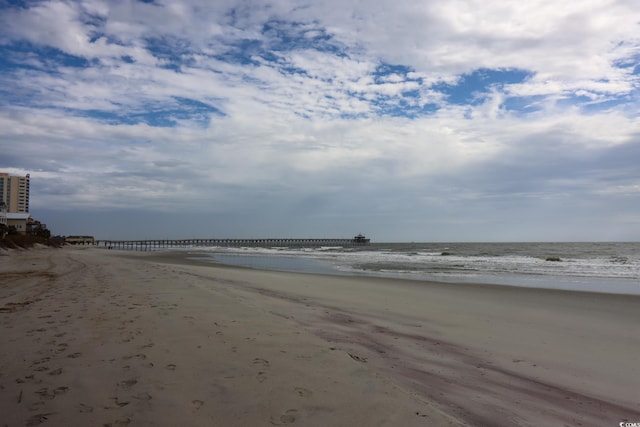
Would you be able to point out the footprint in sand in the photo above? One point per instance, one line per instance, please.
(60, 390)
(85, 408)
(47, 394)
(36, 405)
(127, 384)
(289, 417)
(358, 358)
(38, 419)
(119, 423)
(26, 378)
(261, 362)
(137, 356)
(118, 403)
(303, 392)
(40, 361)
(143, 397)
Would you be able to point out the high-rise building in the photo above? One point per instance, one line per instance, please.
(14, 192)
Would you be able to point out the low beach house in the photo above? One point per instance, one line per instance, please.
(80, 240)
(19, 221)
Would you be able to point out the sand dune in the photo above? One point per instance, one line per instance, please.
(95, 337)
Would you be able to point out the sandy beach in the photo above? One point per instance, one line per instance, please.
(92, 337)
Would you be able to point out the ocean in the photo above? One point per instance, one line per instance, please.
(596, 267)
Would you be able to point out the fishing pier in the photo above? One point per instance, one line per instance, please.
(148, 245)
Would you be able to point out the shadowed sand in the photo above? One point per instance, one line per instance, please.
(95, 337)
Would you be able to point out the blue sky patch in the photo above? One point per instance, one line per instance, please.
(632, 62)
(403, 108)
(287, 36)
(243, 52)
(385, 70)
(24, 55)
(157, 114)
(7, 4)
(279, 36)
(472, 88)
(175, 52)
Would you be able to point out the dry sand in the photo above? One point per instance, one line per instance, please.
(104, 338)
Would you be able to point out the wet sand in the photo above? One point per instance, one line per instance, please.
(96, 337)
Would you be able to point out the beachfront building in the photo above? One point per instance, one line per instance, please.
(80, 240)
(20, 221)
(3, 220)
(14, 192)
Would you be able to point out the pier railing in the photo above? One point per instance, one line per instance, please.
(146, 245)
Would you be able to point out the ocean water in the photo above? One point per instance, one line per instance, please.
(598, 267)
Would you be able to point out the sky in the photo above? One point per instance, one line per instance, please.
(405, 120)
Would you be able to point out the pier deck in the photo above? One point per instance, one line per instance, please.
(145, 245)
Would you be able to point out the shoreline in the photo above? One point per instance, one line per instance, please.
(243, 346)
(186, 258)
